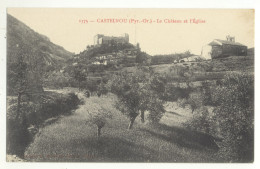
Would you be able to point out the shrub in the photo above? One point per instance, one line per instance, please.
(195, 101)
(178, 70)
(102, 89)
(57, 80)
(34, 114)
(202, 121)
(17, 135)
(173, 92)
(205, 67)
(207, 90)
(91, 85)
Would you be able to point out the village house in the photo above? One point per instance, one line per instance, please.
(223, 48)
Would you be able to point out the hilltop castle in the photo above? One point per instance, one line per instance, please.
(101, 39)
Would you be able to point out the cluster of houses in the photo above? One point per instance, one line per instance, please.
(104, 59)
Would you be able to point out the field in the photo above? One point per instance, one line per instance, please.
(70, 139)
(182, 134)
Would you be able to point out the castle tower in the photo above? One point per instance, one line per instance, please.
(127, 37)
(96, 39)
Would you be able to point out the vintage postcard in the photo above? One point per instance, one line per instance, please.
(130, 85)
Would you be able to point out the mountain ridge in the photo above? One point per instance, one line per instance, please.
(19, 34)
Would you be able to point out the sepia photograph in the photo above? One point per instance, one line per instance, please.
(130, 85)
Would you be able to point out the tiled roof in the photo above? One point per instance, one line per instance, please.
(226, 42)
(214, 43)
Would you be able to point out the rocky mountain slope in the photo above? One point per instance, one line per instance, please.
(20, 36)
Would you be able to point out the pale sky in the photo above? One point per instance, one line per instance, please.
(62, 26)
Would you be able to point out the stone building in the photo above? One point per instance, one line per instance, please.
(223, 48)
(101, 39)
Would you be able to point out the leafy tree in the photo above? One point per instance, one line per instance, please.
(57, 80)
(128, 102)
(141, 57)
(150, 102)
(156, 109)
(78, 72)
(158, 84)
(24, 73)
(98, 115)
(202, 121)
(135, 96)
(102, 88)
(187, 53)
(235, 114)
(91, 85)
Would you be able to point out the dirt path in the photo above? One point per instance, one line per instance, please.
(70, 139)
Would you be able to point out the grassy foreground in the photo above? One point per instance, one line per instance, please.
(71, 140)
